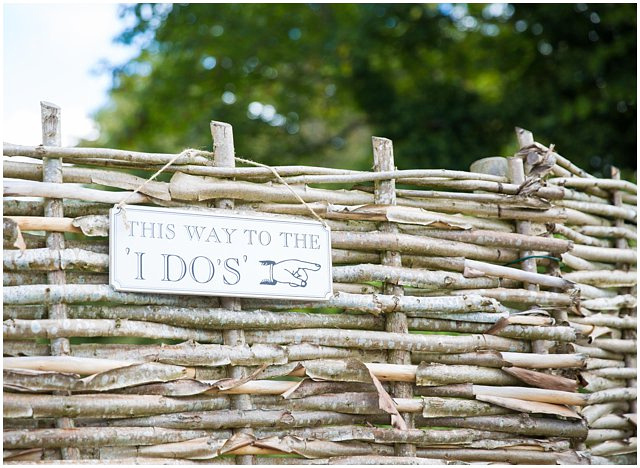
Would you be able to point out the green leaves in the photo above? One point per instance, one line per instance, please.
(447, 83)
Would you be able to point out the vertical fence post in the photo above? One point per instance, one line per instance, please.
(630, 360)
(53, 208)
(517, 176)
(224, 156)
(385, 194)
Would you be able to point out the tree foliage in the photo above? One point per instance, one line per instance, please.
(447, 83)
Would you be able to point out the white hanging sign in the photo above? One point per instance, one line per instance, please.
(173, 251)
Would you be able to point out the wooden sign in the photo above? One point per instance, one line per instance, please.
(173, 251)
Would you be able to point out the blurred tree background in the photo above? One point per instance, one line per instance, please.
(310, 83)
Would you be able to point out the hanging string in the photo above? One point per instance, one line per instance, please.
(282, 181)
(123, 202)
(192, 152)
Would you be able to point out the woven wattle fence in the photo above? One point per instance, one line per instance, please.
(485, 316)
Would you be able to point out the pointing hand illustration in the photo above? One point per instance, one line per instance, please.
(292, 272)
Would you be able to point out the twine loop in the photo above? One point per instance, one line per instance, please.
(189, 152)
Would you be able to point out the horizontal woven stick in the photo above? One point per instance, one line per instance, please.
(612, 232)
(342, 256)
(606, 184)
(616, 447)
(580, 264)
(578, 218)
(433, 374)
(52, 190)
(33, 171)
(387, 175)
(193, 188)
(106, 406)
(603, 320)
(612, 278)
(491, 210)
(381, 340)
(533, 394)
(577, 237)
(616, 372)
(521, 296)
(34, 241)
(356, 288)
(256, 355)
(487, 317)
(210, 318)
(47, 260)
(626, 212)
(497, 198)
(39, 152)
(101, 436)
(386, 303)
(505, 456)
(611, 303)
(432, 262)
(474, 269)
(597, 196)
(35, 223)
(595, 411)
(210, 448)
(383, 435)
(185, 354)
(597, 363)
(228, 419)
(72, 208)
(595, 352)
(303, 351)
(404, 215)
(289, 419)
(252, 173)
(83, 175)
(602, 254)
(379, 435)
(357, 403)
(543, 361)
(517, 424)
(612, 421)
(22, 329)
(550, 193)
(496, 359)
(521, 332)
(417, 245)
(70, 293)
(584, 291)
(14, 278)
(616, 345)
(410, 277)
(145, 353)
(500, 239)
